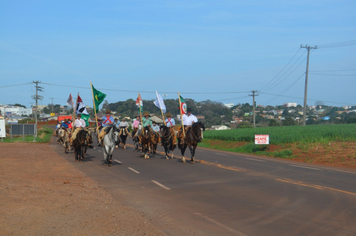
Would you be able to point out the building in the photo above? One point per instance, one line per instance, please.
(229, 105)
(290, 104)
(9, 111)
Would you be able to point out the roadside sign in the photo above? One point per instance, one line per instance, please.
(2, 129)
(262, 139)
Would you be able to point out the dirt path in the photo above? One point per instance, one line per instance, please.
(42, 194)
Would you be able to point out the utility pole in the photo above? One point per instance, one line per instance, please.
(253, 107)
(306, 83)
(37, 97)
(52, 104)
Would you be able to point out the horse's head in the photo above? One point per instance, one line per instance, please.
(198, 128)
(164, 130)
(123, 131)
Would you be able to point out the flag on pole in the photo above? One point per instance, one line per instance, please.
(70, 101)
(98, 98)
(160, 103)
(183, 105)
(139, 102)
(81, 109)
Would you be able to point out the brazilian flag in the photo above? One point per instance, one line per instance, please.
(98, 98)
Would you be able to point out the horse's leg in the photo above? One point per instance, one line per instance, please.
(192, 152)
(182, 151)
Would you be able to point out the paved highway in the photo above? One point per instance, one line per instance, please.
(228, 194)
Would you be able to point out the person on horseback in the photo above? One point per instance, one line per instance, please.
(116, 122)
(124, 124)
(169, 121)
(146, 120)
(79, 124)
(188, 120)
(107, 121)
(155, 127)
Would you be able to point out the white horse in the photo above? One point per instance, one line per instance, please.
(110, 140)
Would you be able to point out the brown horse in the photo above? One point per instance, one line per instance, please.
(192, 136)
(80, 144)
(146, 141)
(136, 139)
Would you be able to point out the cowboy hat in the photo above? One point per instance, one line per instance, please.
(168, 114)
(146, 114)
(108, 112)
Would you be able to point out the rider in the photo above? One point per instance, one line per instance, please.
(79, 124)
(125, 125)
(107, 121)
(155, 127)
(188, 120)
(116, 122)
(169, 121)
(146, 120)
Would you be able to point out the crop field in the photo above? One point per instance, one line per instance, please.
(288, 134)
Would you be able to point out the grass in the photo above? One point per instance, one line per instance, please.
(289, 134)
(44, 136)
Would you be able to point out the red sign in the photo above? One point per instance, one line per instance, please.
(261, 139)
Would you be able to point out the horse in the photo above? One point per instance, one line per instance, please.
(146, 141)
(136, 139)
(80, 144)
(167, 136)
(192, 137)
(63, 136)
(154, 142)
(110, 140)
(123, 136)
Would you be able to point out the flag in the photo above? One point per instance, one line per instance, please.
(139, 103)
(81, 109)
(183, 105)
(70, 101)
(160, 103)
(98, 98)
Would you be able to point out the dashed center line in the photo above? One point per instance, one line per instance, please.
(133, 170)
(161, 185)
(118, 161)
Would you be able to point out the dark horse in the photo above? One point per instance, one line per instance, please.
(80, 144)
(146, 141)
(192, 137)
(136, 139)
(123, 136)
(167, 136)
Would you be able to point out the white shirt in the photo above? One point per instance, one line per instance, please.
(79, 123)
(189, 120)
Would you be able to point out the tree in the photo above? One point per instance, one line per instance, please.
(289, 121)
(273, 122)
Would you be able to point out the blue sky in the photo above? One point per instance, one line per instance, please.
(217, 50)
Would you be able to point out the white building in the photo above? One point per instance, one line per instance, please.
(18, 111)
(229, 105)
(290, 104)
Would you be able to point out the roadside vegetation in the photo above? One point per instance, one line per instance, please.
(44, 136)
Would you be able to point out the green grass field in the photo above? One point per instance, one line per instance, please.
(44, 136)
(288, 134)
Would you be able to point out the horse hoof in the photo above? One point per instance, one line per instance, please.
(192, 162)
(183, 160)
(110, 165)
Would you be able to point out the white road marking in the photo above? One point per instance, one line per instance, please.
(161, 185)
(99, 150)
(305, 167)
(221, 225)
(133, 170)
(253, 159)
(118, 161)
(221, 154)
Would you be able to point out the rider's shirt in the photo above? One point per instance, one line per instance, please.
(117, 124)
(146, 121)
(170, 122)
(136, 123)
(79, 123)
(189, 120)
(124, 124)
(106, 121)
(155, 128)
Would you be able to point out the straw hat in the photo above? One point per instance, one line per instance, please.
(108, 111)
(168, 114)
(146, 114)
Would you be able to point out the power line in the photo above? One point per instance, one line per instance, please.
(329, 74)
(340, 44)
(14, 85)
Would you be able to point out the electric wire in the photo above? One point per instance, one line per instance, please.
(339, 44)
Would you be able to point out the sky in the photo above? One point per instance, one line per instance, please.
(216, 50)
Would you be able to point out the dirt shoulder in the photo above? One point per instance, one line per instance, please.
(42, 194)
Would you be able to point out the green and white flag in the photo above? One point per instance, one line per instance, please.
(98, 98)
(81, 109)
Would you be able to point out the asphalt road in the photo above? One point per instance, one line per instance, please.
(228, 194)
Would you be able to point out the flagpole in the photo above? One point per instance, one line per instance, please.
(74, 110)
(96, 118)
(181, 117)
(160, 107)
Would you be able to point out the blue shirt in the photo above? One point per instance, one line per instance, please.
(106, 121)
(170, 122)
(64, 125)
(155, 128)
